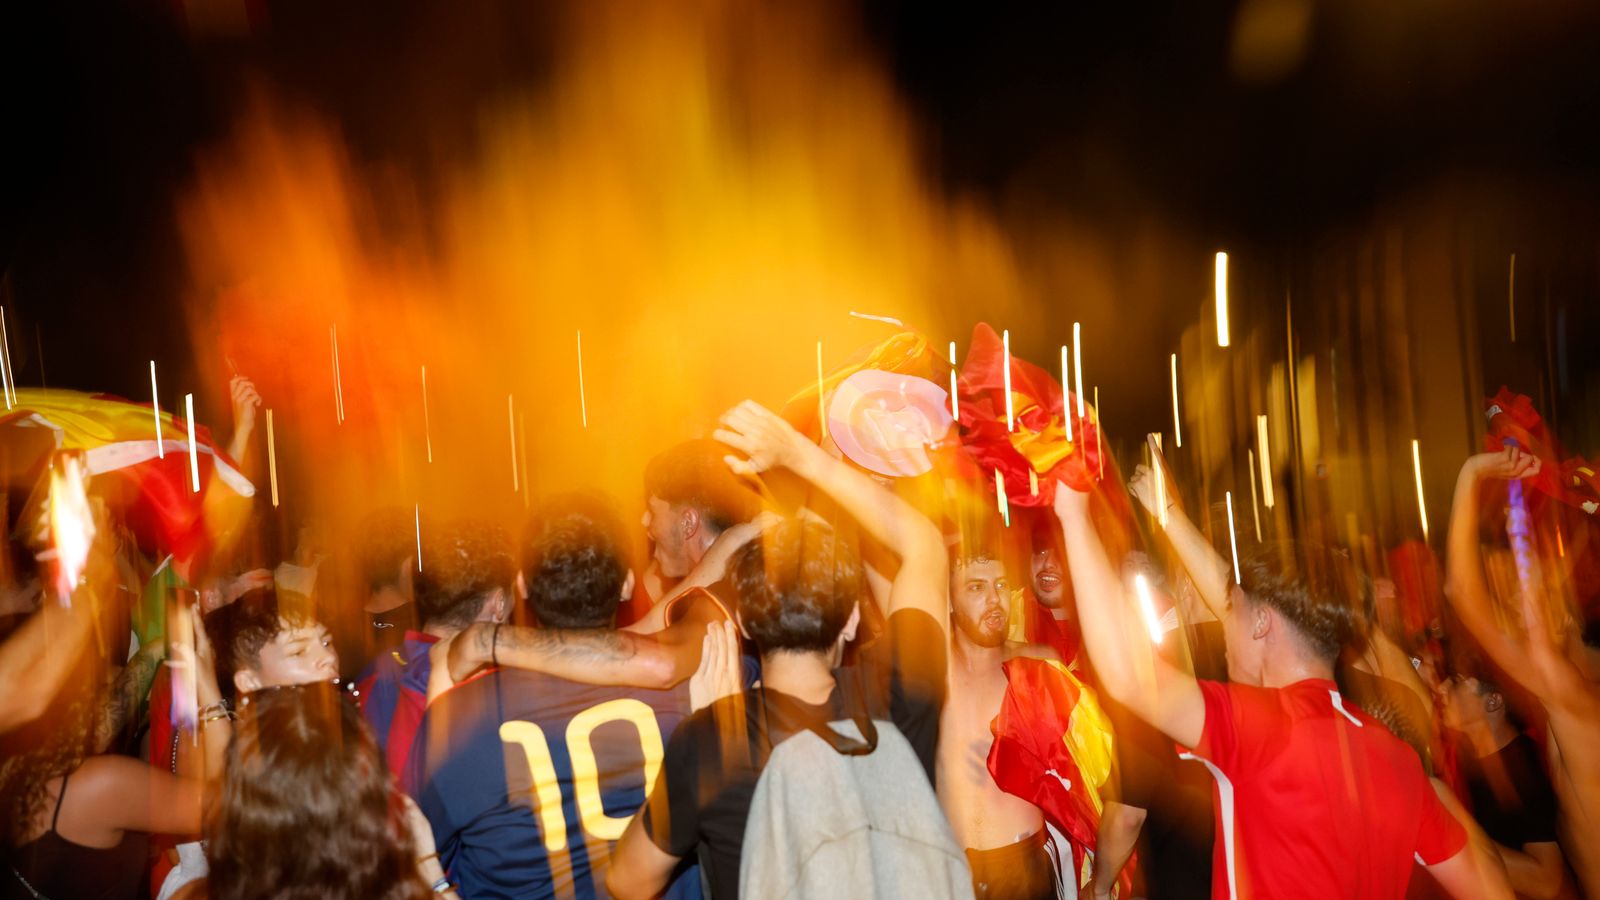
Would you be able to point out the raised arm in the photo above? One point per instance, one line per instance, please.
(37, 659)
(1465, 585)
(1120, 651)
(1206, 567)
(768, 442)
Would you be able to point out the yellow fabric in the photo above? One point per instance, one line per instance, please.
(1089, 738)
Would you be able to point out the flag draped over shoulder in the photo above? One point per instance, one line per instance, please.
(1038, 444)
(1053, 747)
(153, 496)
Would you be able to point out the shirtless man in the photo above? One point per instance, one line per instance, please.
(1545, 657)
(1005, 836)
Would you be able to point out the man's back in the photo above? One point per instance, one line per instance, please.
(1313, 797)
(528, 780)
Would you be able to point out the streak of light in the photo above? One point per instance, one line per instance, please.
(1161, 485)
(416, 512)
(1066, 400)
(427, 428)
(1416, 468)
(1033, 482)
(1233, 539)
(1177, 421)
(1099, 450)
(511, 428)
(1011, 418)
(1000, 501)
(338, 378)
(1255, 505)
(272, 459)
(155, 411)
(955, 405)
(583, 401)
(1267, 498)
(891, 320)
(822, 406)
(1222, 299)
(11, 374)
(1077, 367)
(1147, 606)
(1511, 298)
(194, 450)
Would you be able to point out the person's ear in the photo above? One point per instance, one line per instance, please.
(1493, 701)
(627, 586)
(1262, 625)
(848, 633)
(246, 681)
(689, 522)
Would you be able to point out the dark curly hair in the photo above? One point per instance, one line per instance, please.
(797, 585)
(693, 473)
(1313, 587)
(307, 808)
(239, 630)
(463, 564)
(575, 562)
(51, 746)
(387, 539)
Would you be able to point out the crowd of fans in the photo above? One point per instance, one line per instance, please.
(823, 681)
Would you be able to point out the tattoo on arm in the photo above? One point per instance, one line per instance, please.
(130, 687)
(581, 645)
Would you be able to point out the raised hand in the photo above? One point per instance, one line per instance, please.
(1508, 464)
(1143, 483)
(719, 673)
(766, 440)
(246, 401)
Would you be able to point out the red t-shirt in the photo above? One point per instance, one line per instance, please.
(1314, 798)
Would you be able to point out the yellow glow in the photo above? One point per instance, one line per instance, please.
(583, 400)
(1416, 467)
(1177, 421)
(1267, 499)
(1222, 299)
(1147, 606)
(194, 451)
(155, 413)
(1233, 538)
(1011, 417)
(1077, 366)
(272, 459)
(1033, 482)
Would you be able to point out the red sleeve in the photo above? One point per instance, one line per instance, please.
(1241, 722)
(1439, 835)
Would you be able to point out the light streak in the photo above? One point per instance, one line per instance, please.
(955, 406)
(1222, 299)
(1416, 468)
(1033, 482)
(1011, 419)
(1161, 484)
(822, 406)
(583, 402)
(511, 428)
(1255, 505)
(194, 451)
(11, 375)
(1233, 539)
(1177, 421)
(1066, 399)
(155, 411)
(427, 428)
(416, 511)
(272, 459)
(1267, 498)
(1147, 606)
(1099, 450)
(338, 378)
(887, 319)
(1001, 503)
(1077, 366)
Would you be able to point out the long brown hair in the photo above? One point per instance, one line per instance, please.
(51, 746)
(307, 806)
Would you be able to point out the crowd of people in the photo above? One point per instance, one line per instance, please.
(864, 656)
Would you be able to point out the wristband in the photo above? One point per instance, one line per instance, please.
(441, 886)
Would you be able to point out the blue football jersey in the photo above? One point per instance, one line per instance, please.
(529, 780)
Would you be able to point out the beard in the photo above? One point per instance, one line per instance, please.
(987, 630)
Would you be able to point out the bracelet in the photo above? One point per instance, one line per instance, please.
(423, 859)
(441, 885)
(494, 647)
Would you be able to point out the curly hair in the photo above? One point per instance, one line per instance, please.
(388, 538)
(463, 564)
(53, 745)
(1313, 587)
(239, 630)
(797, 585)
(575, 562)
(307, 808)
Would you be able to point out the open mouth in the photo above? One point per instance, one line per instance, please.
(1048, 582)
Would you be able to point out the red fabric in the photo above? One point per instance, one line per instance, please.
(1028, 746)
(1314, 798)
(161, 730)
(1037, 405)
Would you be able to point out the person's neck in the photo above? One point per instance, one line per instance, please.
(442, 632)
(975, 657)
(804, 676)
(1290, 668)
(1489, 736)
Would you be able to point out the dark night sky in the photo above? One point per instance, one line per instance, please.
(1086, 102)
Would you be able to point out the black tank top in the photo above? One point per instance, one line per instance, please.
(50, 866)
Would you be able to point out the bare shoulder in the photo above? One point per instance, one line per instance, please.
(1023, 650)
